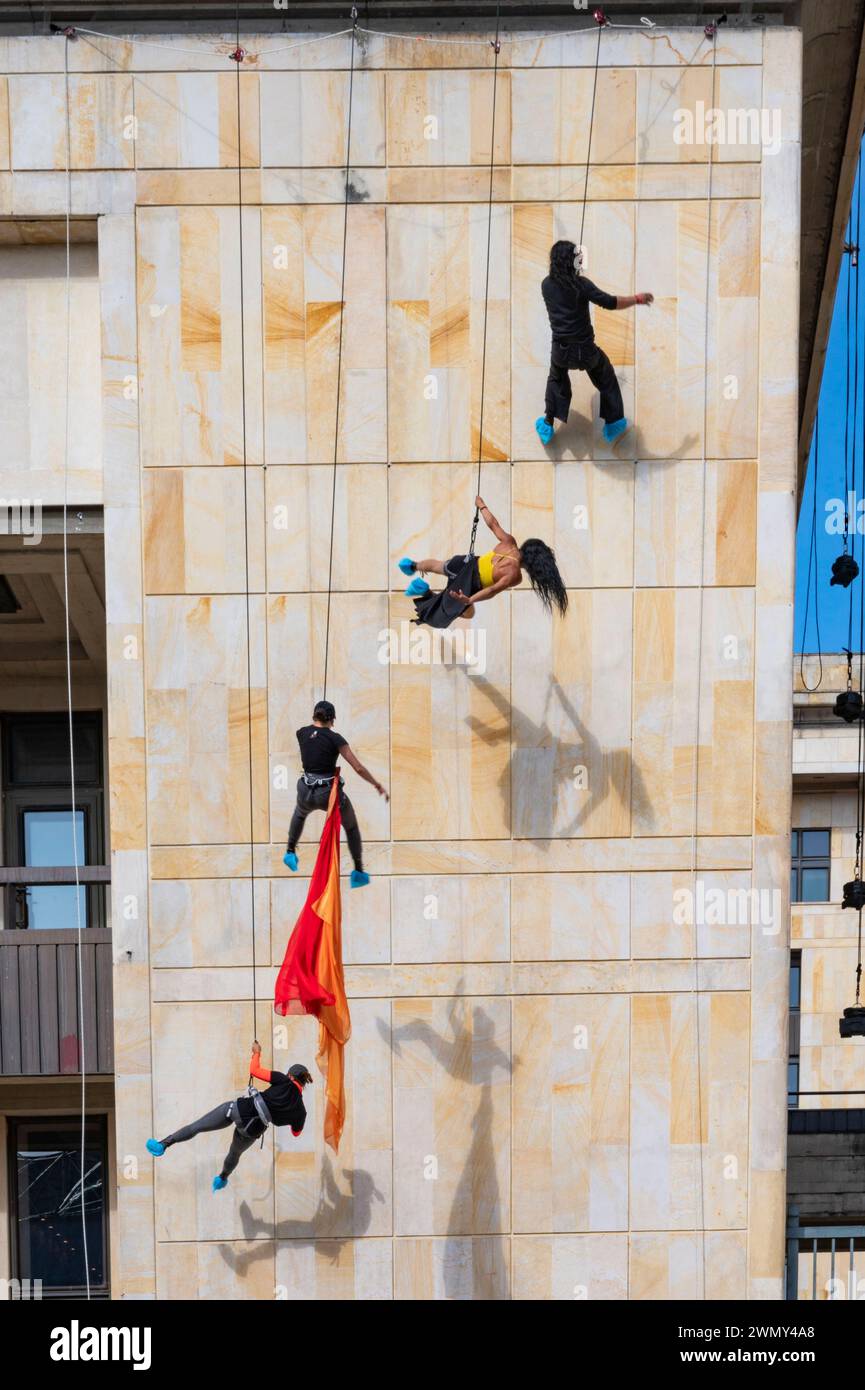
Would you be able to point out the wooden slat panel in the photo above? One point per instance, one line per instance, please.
(28, 1005)
(87, 873)
(49, 1037)
(39, 1018)
(88, 977)
(63, 936)
(10, 1035)
(104, 1008)
(67, 1009)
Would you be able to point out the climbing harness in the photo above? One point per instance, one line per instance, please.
(262, 1113)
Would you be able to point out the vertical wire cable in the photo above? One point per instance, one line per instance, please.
(860, 760)
(82, 1053)
(339, 352)
(496, 50)
(700, 1214)
(849, 461)
(847, 402)
(591, 129)
(238, 59)
(812, 568)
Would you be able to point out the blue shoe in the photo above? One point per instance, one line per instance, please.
(358, 879)
(417, 588)
(406, 565)
(290, 861)
(219, 1183)
(544, 429)
(612, 432)
(154, 1147)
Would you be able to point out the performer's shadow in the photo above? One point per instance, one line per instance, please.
(348, 1213)
(476, 1221)
(542, 760)
(576, 442)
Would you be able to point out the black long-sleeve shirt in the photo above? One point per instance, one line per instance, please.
(283, 1098)
(568, 308)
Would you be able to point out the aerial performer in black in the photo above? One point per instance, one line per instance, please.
(475, 579)
(281, 1104)
(567, 295)
(320, 747)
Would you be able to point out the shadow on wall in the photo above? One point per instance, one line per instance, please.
(351, 1211)
(569, 442)
(541, 759)
(469, 1054)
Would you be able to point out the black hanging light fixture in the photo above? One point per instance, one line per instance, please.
(844, 569)
(848, 704)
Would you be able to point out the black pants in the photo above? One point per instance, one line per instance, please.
(316, 799)
(437, 608)
(592, 360)
(220, 1118)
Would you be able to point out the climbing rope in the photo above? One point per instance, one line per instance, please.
(860, 750)
(852, 360)
(601, 20)
(136, 42)
(699, 1217)
(847, 420)
(237, 58)
(529, 36)
(339, 352)
(497, 48)
(69, 37)
(812, 568)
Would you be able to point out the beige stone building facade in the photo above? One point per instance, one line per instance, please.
(566, 1077)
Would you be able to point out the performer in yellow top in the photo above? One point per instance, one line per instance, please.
(476, 579)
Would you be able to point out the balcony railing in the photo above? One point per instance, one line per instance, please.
(40, 1033)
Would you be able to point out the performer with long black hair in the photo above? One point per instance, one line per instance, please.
(475, 579)
(567, 295)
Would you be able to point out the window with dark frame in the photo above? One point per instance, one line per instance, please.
(810, 866)
(37, 817)
(47, 1241)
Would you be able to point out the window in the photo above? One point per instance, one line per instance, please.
(38, 822)
(795, 1015)
(810, 865)
(45, 1207)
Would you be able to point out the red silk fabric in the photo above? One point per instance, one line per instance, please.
(310, 980)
